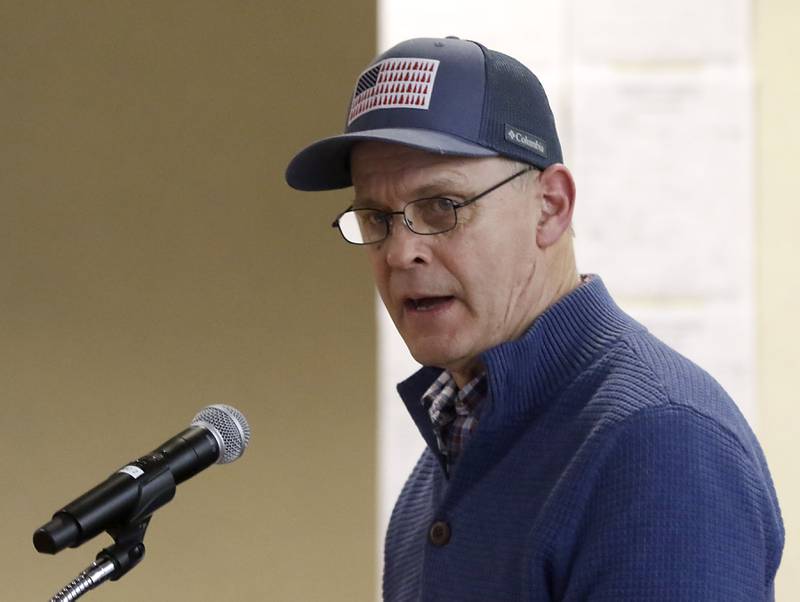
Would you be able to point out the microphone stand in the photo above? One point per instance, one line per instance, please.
(128, 550)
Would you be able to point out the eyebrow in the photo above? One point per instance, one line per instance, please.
(437, 186)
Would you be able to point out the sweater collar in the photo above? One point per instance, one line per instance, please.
(526, 373)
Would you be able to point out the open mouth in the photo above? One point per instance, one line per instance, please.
(426, 303)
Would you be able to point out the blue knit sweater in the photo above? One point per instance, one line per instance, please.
(606, 466)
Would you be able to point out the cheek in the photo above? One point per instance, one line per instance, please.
(519, 249)
(499, 273)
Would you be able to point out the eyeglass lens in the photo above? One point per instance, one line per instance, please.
(424, 216)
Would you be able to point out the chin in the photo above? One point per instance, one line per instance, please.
(439, 358)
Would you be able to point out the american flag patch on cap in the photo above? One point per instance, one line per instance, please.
(397, 83)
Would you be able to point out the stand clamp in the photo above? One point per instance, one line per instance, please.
(128, 550)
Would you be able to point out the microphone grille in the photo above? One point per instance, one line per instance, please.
(230, 428)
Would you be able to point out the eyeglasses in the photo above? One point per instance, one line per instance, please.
(423, 216)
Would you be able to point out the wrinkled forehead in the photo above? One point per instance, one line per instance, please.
(386, 169)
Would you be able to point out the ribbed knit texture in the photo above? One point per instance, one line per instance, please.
(606, 467)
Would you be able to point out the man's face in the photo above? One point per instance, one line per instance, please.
(456, 294)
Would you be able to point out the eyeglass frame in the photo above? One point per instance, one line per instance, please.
(455, 205)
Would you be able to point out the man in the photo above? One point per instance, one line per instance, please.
(570, 454)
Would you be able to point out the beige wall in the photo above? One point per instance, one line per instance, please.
(153, 262)
(777, 53)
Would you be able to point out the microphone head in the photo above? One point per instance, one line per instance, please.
(229, 427)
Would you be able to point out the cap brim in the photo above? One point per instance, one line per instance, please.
(325, 164)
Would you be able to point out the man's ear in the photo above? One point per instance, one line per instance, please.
(558, 202)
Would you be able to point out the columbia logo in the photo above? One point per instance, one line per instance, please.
(526, 140)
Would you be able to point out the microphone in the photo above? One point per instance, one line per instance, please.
(218, 434)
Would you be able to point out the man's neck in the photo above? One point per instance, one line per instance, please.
(465, 375)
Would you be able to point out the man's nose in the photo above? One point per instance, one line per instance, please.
(403, 247)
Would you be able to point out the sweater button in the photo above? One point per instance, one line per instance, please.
(439, 533)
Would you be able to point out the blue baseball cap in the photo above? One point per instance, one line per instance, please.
(446, 96)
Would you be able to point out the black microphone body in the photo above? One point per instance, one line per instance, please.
(132, 493)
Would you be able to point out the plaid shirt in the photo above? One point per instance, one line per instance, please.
(454, 413)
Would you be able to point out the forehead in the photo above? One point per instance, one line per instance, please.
(378, 167)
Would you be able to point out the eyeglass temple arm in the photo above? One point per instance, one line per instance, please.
(493, 188)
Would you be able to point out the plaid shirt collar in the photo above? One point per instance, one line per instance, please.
(453, 411)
